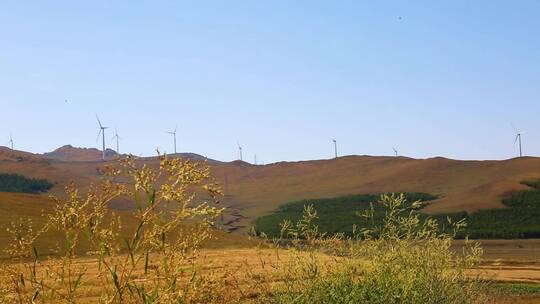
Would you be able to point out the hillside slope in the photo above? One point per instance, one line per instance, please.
(461, 185)
(252, 191)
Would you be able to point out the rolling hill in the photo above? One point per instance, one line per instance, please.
(252, 191)
(70, 153)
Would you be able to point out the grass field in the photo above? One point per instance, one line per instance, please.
(515, 282)
(507, 261)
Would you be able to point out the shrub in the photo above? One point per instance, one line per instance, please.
(405, 260)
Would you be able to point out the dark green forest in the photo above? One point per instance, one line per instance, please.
(335, 215)
(22, 184)
(520, 218)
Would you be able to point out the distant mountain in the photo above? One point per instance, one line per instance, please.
(190, 156)
(68, 153)
(75, 154)
(6, 154)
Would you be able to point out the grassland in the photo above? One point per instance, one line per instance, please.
(244, 263)
(509, 262)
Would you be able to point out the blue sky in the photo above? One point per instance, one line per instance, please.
(434, 78)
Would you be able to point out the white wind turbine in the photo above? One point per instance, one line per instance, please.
(10, 142)
(239, 150)
(102, 133)
(335, 147)
(518, 141)
(117, 137)
(173, 133)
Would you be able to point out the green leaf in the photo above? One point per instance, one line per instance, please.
(77, 281)
(146, 263)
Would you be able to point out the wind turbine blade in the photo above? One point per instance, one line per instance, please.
(99, 121)
(176, 127)
(99, 133)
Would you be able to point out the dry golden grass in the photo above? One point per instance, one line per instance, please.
(243, 264)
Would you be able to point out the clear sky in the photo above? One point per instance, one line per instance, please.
(434, 78)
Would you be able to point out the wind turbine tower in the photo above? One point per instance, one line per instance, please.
(10, 142)
(173, 133)
(395, 152)
(335, 147)
(240, 151)
(102, 133)
(255, 160)
(117, 141)
(518, 140)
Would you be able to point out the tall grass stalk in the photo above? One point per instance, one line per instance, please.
(153, 263)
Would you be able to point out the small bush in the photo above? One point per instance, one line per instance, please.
(405, 260)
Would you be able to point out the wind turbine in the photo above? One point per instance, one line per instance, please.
(102, 133)
(395, 151)
(518, 139)
(335, 147)
(117, 141)
(173, 133)
(10, 142)
(255, 159)
(239, 150)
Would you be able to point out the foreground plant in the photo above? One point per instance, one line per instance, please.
(405, 260)
(154, 262)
